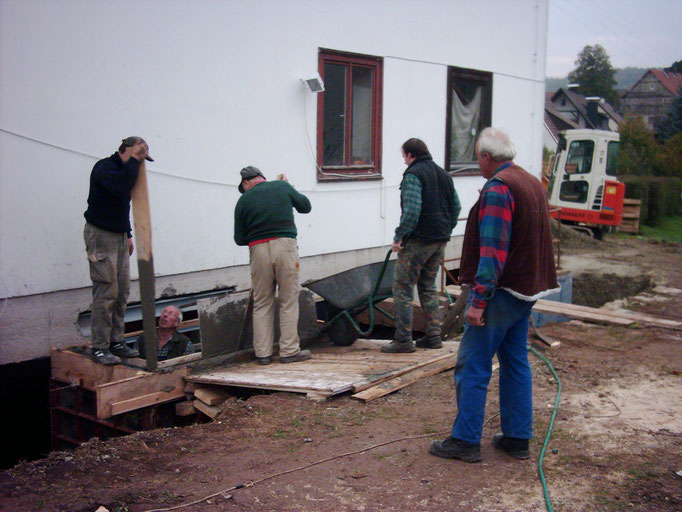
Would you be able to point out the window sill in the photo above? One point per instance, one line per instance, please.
(332, 175)
(469, 172)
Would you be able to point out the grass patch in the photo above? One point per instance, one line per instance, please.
(668, 228)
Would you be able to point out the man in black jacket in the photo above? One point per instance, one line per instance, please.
(430, 207)
(109, 244)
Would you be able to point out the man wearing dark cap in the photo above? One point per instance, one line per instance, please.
(109, 244)
(264, 220)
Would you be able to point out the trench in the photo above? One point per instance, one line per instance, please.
(596, 289)
(26, 386)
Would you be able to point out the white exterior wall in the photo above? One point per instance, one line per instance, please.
(212, 87)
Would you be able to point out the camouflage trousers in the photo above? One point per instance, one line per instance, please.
(417, 264)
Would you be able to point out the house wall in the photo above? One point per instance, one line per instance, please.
(648, 98)
(214, 86)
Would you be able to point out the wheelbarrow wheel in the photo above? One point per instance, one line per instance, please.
(342, 332)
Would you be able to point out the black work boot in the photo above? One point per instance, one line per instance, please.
(103, 356)
(264, 361)
(517, 448)
(122, 350)
(452, 448)
(399, 347)
(429, 342)
(303, 355)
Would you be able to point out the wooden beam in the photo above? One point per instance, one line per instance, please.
(211, 396)
(145, 264)
(208, 410)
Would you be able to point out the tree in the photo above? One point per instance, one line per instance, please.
(675, 68)
(595, 75)
(637, 152)
(669, 157)
(672, 123)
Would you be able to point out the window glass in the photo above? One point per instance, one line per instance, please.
(466, 120)
(469, 112)
(349, 114)
(361, 129)
(334, 114)
(579, 160)
(574, 191)
(612, 158)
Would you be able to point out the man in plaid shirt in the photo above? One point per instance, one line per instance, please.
(508, 260)
(430, 208)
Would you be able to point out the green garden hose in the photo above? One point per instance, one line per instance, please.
(549, 429)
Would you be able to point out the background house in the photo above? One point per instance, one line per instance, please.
(652, 96)
(214, 86)
(566, 109)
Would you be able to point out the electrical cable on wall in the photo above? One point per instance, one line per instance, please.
(179, 176)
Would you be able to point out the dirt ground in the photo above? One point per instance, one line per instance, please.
(616, 443)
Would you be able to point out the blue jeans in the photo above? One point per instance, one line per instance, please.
(506, 333)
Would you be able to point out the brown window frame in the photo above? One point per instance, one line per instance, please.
(486, 79)
(344, 172)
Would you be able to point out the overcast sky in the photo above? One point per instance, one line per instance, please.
(639, 33)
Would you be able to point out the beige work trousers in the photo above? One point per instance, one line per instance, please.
(110, 273)
(274, 264)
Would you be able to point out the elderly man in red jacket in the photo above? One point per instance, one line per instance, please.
(508, 260)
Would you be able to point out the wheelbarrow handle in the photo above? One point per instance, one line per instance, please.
(381, 274)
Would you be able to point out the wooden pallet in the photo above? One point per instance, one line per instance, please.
(331, 371)
(631, 211)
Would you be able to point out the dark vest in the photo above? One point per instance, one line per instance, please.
(435, 222)
(529, 268)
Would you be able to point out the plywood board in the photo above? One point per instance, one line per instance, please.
(331, 371)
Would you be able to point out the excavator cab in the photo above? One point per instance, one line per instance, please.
(583, 188)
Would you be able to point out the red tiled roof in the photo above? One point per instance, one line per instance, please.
(671, 81)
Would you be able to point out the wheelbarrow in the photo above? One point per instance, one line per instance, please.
(352, 292)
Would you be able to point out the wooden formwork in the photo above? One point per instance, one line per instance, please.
(119, 388)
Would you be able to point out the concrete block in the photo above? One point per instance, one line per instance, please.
(220, 322)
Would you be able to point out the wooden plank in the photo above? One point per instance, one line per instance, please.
(176, 361)
(185, 408)
(208, 410)
(367, 383)
(406, 379)
(82, 370)
(597, 316)
(211, 396)
(138, 402)
(588, 314)
(145, 263)
(163, 387)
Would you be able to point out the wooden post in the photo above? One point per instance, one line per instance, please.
(145, 264)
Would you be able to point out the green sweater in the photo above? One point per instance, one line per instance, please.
(265, 211)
